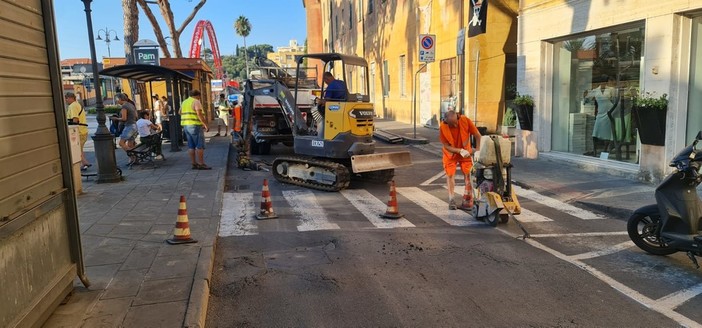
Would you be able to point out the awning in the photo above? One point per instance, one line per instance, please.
(327, 57)
(145, 73)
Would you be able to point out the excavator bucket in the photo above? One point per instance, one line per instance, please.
(380, 161)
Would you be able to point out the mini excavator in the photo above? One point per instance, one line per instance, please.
(332, 142)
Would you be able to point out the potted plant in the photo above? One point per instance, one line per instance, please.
(509, 122)
(650, 115)
(525, 111)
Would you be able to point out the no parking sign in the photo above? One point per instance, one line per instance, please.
(427, 45)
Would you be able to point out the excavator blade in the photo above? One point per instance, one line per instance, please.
(380, 161)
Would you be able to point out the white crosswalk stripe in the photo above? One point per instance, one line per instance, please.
(312, 215)
(438, 207)
(557, 204)
(371, 207)
(238, 212)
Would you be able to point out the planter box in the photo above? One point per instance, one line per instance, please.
(651, 125)
(525, 116)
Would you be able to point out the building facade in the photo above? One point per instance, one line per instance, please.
(585, 62)
(386, 33)
(285, 56)
(77, 77)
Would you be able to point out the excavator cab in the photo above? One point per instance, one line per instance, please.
(333, 141)
(342, 118)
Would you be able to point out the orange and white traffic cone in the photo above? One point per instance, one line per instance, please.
(467, 199)
(181, 232)
(266, 205)
(392, 212)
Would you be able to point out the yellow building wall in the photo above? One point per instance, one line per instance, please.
(499, 40)
(392, 30)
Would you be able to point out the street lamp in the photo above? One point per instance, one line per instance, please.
(107, 32)
(103, 140)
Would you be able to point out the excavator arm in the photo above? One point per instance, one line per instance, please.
(280, 93)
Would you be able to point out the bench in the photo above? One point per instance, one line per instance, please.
(147, 150)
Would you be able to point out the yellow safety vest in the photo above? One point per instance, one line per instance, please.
(188, 116)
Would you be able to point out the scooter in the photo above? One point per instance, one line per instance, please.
(491, 178)
(673, 223)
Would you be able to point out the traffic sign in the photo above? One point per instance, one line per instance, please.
(427, 46)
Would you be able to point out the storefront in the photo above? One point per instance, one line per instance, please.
(585, 78)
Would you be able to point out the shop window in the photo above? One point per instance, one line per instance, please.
(370, 7)
(595, 78)
(448, 71)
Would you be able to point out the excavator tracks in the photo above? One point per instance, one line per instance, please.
(311, 173)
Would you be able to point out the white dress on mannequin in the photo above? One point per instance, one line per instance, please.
(603, 126)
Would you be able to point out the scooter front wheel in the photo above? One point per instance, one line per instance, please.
(643, 231)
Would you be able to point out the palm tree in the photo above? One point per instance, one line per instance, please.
(243, 28)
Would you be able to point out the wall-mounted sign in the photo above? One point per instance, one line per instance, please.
(427, 47)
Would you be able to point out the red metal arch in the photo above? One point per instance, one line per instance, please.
(196, 45)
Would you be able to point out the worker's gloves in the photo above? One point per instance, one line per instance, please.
(465, 153)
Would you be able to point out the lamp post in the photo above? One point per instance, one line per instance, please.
(103, 140)
(107, 33)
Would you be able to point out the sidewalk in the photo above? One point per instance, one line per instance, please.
(593, 186)
(138, 280)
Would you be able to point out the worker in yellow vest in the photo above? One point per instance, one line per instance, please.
(192, 118)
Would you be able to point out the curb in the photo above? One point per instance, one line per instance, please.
(196, 311)
(617, 212)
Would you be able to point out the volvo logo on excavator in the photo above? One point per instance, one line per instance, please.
(359, 113)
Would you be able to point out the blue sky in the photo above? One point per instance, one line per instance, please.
(274, 22)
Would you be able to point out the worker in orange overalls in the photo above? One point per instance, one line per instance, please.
(236, 128)
(454, 134)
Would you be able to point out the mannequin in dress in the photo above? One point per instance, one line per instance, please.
(604, 95)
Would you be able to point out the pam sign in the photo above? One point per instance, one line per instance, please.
(146, 56)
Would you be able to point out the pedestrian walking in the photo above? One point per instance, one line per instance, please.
(454, 134)
(223, 115)
(192, 119)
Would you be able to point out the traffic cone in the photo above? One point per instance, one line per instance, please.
(392, 211)
(181, 232)
(266, 205)
(467, 203)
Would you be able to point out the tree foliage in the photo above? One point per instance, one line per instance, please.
(242, 27)
(235, 65)
(167, 14)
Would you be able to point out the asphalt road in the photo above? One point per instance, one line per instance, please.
(329, 262)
